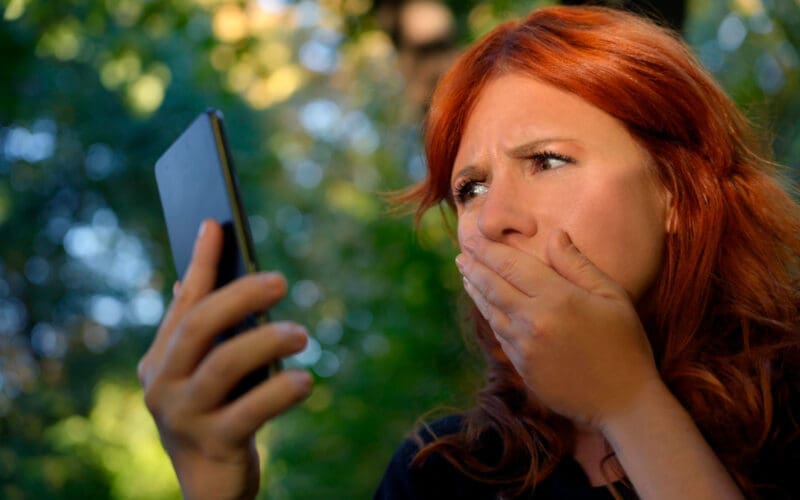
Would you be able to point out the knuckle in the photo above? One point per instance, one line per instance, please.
(178, 416)
(226, 430)
(191, 322)
(152, 399)
(143, 370)
(540, 324)
(491, 294)
(507, 267)
(483, 287)
(583, 264)
(490, 316)
(185, 298)
(173, 419)
(218, 366)
(199, 386)
(615, 290)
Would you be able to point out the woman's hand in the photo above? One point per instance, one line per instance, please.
(186, 379)
(569, 329)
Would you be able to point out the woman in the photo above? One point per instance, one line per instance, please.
(634, 267)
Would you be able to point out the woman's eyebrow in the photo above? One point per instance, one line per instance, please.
(521, 151)
(470, 171)
(529, 148)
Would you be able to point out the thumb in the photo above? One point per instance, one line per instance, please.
(576, 268)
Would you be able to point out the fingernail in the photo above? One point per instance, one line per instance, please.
(199, 237)
(467, 284)
(302, 379)
(460, 263)
(274, 283)
(295, 336)
(300, 335)
(284, 328)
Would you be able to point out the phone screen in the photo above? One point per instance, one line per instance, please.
(196, 180)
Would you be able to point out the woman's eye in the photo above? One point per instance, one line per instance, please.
(469, 190)
(547, 160)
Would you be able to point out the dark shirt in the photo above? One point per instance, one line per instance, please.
(778, 475)
(437, 479)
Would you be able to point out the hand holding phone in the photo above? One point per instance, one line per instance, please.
(186, 380)
(203, 375)
(196, 181)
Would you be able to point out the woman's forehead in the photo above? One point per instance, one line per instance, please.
(514, 112)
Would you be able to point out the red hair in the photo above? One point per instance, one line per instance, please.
(722, 317)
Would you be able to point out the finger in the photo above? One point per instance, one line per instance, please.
(199, 280)
(220, 310)
(492, 287)
(510, 351)
(576, 268)
(201, 275)
(229, 362)
(239, 420)
(498, 319)
(524, 271)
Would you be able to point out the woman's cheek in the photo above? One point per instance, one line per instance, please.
(466, 228)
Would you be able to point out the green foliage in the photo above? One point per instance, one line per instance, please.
(94, 91)
(752, 48)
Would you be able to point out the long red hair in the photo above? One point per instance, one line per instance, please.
(722, 317)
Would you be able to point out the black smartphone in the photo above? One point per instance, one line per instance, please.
(196, 181)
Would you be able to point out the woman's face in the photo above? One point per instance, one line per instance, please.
(534, 159)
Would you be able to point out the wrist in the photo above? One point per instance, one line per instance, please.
(663, 452)
(203, 478)
(651, 401)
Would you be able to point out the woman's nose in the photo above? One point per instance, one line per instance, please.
(507, 210)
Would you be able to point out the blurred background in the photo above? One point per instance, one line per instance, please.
(323, 102)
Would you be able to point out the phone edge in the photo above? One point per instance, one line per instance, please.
(241, 224)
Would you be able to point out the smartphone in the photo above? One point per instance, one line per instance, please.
(196, 181)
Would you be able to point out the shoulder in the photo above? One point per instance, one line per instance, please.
(435, 477)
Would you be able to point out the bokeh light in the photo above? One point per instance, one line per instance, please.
(732, 33)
